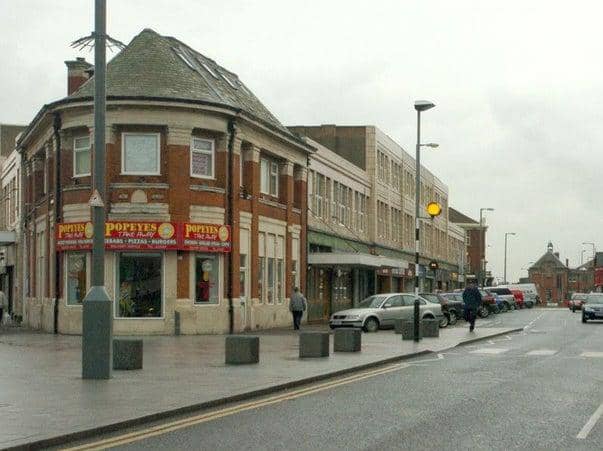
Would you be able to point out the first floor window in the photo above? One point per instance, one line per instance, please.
(269, 177)
(81, 156)
(139, 284)
(202, 158)
(76, 277)
(140, 154)
(206, 279)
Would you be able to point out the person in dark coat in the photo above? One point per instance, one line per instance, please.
(473, 300)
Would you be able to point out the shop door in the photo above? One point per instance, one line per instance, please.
(319, 296)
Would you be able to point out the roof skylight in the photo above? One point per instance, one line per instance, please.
(228, 80)
(207, 68)
(184, 58)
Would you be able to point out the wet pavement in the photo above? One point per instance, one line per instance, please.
(42, 394)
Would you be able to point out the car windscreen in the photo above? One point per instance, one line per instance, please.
(502, 291)
(372, 302)
(594, 299)
(579, 297)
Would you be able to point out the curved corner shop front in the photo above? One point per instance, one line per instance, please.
(152, 270)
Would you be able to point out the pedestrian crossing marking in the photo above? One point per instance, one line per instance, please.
(490, 351)
(592, 354)
(542, 352)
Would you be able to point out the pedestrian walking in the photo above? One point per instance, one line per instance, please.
(473, 300)
(297, 307)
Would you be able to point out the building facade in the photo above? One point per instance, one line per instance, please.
(361, 219)
(11, 256)
(206, 199)
(550, 276)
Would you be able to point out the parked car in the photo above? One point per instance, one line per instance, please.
(489, 304)
(507, 297)
(531, 299)
(500, 304)
(452, 309)
(519, 299)
(458, 297)
(577, 300)
(381, 310)
(592, 308)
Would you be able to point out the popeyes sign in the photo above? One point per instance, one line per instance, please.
(142, 235)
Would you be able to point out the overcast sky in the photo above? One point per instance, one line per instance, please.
(517, 84)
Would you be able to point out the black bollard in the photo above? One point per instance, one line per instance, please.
(416, 318)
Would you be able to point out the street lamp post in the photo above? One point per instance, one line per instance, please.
(582, 257)
(481, 275)
(420, 105)
(505, 272)
(97, 318)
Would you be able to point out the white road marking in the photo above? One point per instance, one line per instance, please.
(592, 354)
(490, 351)
(542, 352)
(491, 342)
(590, 423)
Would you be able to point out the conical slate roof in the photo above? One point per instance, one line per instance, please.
(162, 67)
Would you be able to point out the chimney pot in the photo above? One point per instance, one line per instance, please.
(77, 74)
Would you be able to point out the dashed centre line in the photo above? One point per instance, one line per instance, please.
(542, 352)
(592, 355)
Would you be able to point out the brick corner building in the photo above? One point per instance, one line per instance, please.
(206, 198)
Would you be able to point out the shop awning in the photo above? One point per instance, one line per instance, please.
(354, 259)
(7, 237)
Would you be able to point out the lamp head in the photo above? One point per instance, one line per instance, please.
(423, 105)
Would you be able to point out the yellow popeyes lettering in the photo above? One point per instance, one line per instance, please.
(72, 227)
(144, 227)
(190, 229)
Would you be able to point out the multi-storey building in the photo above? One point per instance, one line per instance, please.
(205, 201)
(11, 258)
(366, 237)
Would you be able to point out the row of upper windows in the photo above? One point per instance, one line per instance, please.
(141, 155)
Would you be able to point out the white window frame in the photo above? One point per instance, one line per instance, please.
(123, 153)
(76, 150)
(211, 152)
(274, 172)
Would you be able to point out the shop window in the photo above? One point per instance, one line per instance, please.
(261, 279)
(202, 158)
(280, 285)
(81, 156)
(140, 154)
(270, 282)
(76, 278)
(140, 285)
(206, 279)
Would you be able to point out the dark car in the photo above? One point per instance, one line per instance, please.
(592, 308)
(456, 299)
(452, 309)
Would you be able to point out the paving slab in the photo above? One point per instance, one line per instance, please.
(42, 394)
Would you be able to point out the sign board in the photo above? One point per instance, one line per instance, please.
(204, 237)
(145, 235)
(135, 235)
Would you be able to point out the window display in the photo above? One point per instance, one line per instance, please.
(139, 285)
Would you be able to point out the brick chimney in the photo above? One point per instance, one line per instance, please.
(567, 262)
(78, 72)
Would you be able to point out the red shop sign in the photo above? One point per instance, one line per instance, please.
(204, 237)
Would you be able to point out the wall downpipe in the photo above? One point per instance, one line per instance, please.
(56, 125)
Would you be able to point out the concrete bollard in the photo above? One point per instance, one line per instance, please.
(407, 329)
(430, 328)
(347, 340)
(398, 325)
(242, 349)
(313, 344)
(127, 354)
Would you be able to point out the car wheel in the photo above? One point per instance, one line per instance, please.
(444, 321)
(332, 327)
(453, 318)
(583, 318)
(483, 312)
(496, 310)
(574, 309)
(371, 325)
(505, 307)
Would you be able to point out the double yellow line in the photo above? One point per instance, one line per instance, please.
(144, 434)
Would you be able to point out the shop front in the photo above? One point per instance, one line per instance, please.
(145, 262)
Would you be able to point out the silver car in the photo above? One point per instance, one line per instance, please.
(381, 310)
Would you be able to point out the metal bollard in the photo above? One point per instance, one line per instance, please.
(416, 319)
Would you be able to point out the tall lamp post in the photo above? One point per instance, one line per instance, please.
(97, 320)
(420, 106)
(582, 257)
(505, 273)
(481, 276)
